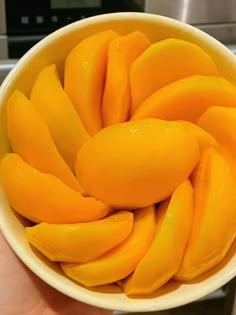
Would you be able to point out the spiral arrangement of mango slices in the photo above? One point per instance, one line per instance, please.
(127, 167)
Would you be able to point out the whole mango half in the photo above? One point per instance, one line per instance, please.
(136, 164)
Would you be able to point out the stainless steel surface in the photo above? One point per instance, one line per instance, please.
(224, 32)
(194, 11)
(5, 68)
(2, 17)
(3, 47)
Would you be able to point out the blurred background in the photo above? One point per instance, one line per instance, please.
(23, 23)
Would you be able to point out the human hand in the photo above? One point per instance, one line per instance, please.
(22, 292)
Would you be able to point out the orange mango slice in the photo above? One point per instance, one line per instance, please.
(220, 122)
(42, 197)
(120, 261)
(121, 54)
(205, 139)
(214, 223)
(187, 99)
(85, 70)
(80, 242)
(163, 258)
(165, 62)
(31, 139)
(144, 162)
(56, 109)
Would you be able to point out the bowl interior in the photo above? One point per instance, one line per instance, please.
(54, 49)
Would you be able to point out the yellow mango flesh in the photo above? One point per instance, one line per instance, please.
(58, 112)
(220, 122)
(135, 164)
(187, 99)
(163, 258)
(122, 51)
(205, 139)
(85, 70)
(163, 89)
(214, 222)
(165, 62)
(80, 242)
(31, 139)
(120, 261)
(42, 197)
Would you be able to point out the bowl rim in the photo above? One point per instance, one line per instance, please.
(88, 297)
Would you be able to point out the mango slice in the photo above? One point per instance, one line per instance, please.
(187, 99)
(214, 223)
(121, 54)
(120, 261)
(31, 139)
(165, 62)
(205, 139)
(220, 122)
(55, 107)
(85, 70)
(80, 242)
(42, 197)
(165, 255)
(143, 163)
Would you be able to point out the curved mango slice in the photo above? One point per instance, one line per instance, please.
(221, 122)
(144, 162)
(42, 197)
(116, 97)
(165, 62)
(205, 139)
(30, 138)
(214, 223)
(85, 70)
(187, 99)
(164, 257)
(80, 242)
(120, 261)
(55, 107)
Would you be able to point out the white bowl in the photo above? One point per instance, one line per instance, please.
(53, 49)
